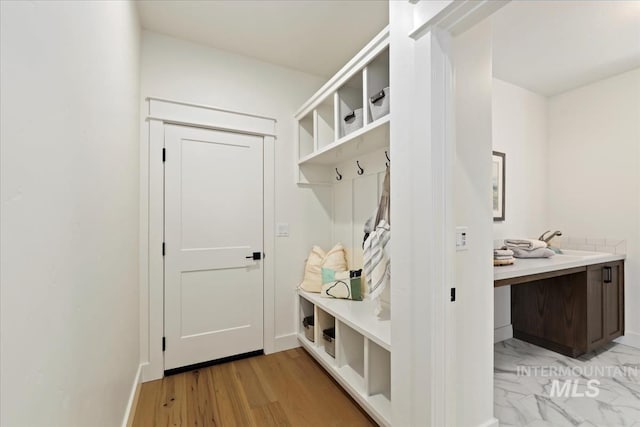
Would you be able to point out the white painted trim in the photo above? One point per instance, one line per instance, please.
(143, 252)
(286, 342)
(214, 118)
(132, 403)
(152, 217)
(502, 333)
(458, 16)
(208, 107)
(269, 248)
(154, 289)
(632, 339)
(493, 422)
(355, 65)
(422, 137)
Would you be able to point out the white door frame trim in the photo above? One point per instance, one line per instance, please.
(160, 112)
(422, 146)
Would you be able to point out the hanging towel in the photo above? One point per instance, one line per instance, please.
(377, 263)
(528, 244)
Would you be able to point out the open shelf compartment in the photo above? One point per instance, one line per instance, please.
(325, 119)
(379, 378)
(306, 309)
(350, 355)
(350, 99)
(306, 144)
(324, 321)
(376, 79)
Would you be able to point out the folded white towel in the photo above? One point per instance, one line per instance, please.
(529, 244)
(535, 253)
(502, 252)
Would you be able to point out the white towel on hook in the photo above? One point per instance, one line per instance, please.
(377, 264)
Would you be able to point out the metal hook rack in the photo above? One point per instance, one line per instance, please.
(339, 177)
(360, 169)
(386, 154)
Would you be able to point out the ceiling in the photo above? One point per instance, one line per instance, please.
(317, 37)
(550, 47)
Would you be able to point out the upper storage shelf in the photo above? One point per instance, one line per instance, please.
(349, 115)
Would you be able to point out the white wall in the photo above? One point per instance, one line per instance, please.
(472, 207)
(594, 171)
(189, 72)
(519, 125)
(520, 130)
(69, 207)
(355, 200)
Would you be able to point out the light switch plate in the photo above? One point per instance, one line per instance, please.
(282, 229)
(462, 238)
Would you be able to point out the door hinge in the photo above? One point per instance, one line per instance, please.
(162, 248)
(164, 154)
(453, 294)
(164, 343)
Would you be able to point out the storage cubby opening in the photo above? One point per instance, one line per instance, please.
(306, 310)
(350, 354)
(324, 323)
(377, 80)
(305, 136)
(350, 98)
(379, 374)
(325, 116)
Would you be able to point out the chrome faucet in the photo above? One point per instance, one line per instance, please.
(548, 239)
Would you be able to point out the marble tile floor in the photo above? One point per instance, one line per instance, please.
(525, 393)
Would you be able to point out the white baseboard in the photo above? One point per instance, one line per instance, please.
(130, 411)
(632, 339)
(502, 333)
(151, 373)
(493, 422)
(286, 342)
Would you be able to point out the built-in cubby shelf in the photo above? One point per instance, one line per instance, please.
(358, 315)
(324, 140)
(362, 363)
(334, 145)
(372, 136)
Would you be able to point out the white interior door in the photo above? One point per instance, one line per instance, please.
(213, 297)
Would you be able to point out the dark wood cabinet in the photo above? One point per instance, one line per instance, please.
(571, 313)
(605, 292)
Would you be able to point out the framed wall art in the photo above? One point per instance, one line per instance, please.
(498, 185)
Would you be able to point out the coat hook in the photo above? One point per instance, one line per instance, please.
(360, 170)
(388, 159)
(339, 177)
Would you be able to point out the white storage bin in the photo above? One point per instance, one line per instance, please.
(379, 104)
(351, 122)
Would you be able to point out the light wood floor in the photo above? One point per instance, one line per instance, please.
(282, 389)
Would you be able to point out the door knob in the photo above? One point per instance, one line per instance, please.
(256, 256)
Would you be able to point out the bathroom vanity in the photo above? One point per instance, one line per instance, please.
(571, 303)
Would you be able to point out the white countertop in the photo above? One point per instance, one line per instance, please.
(569, 259)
